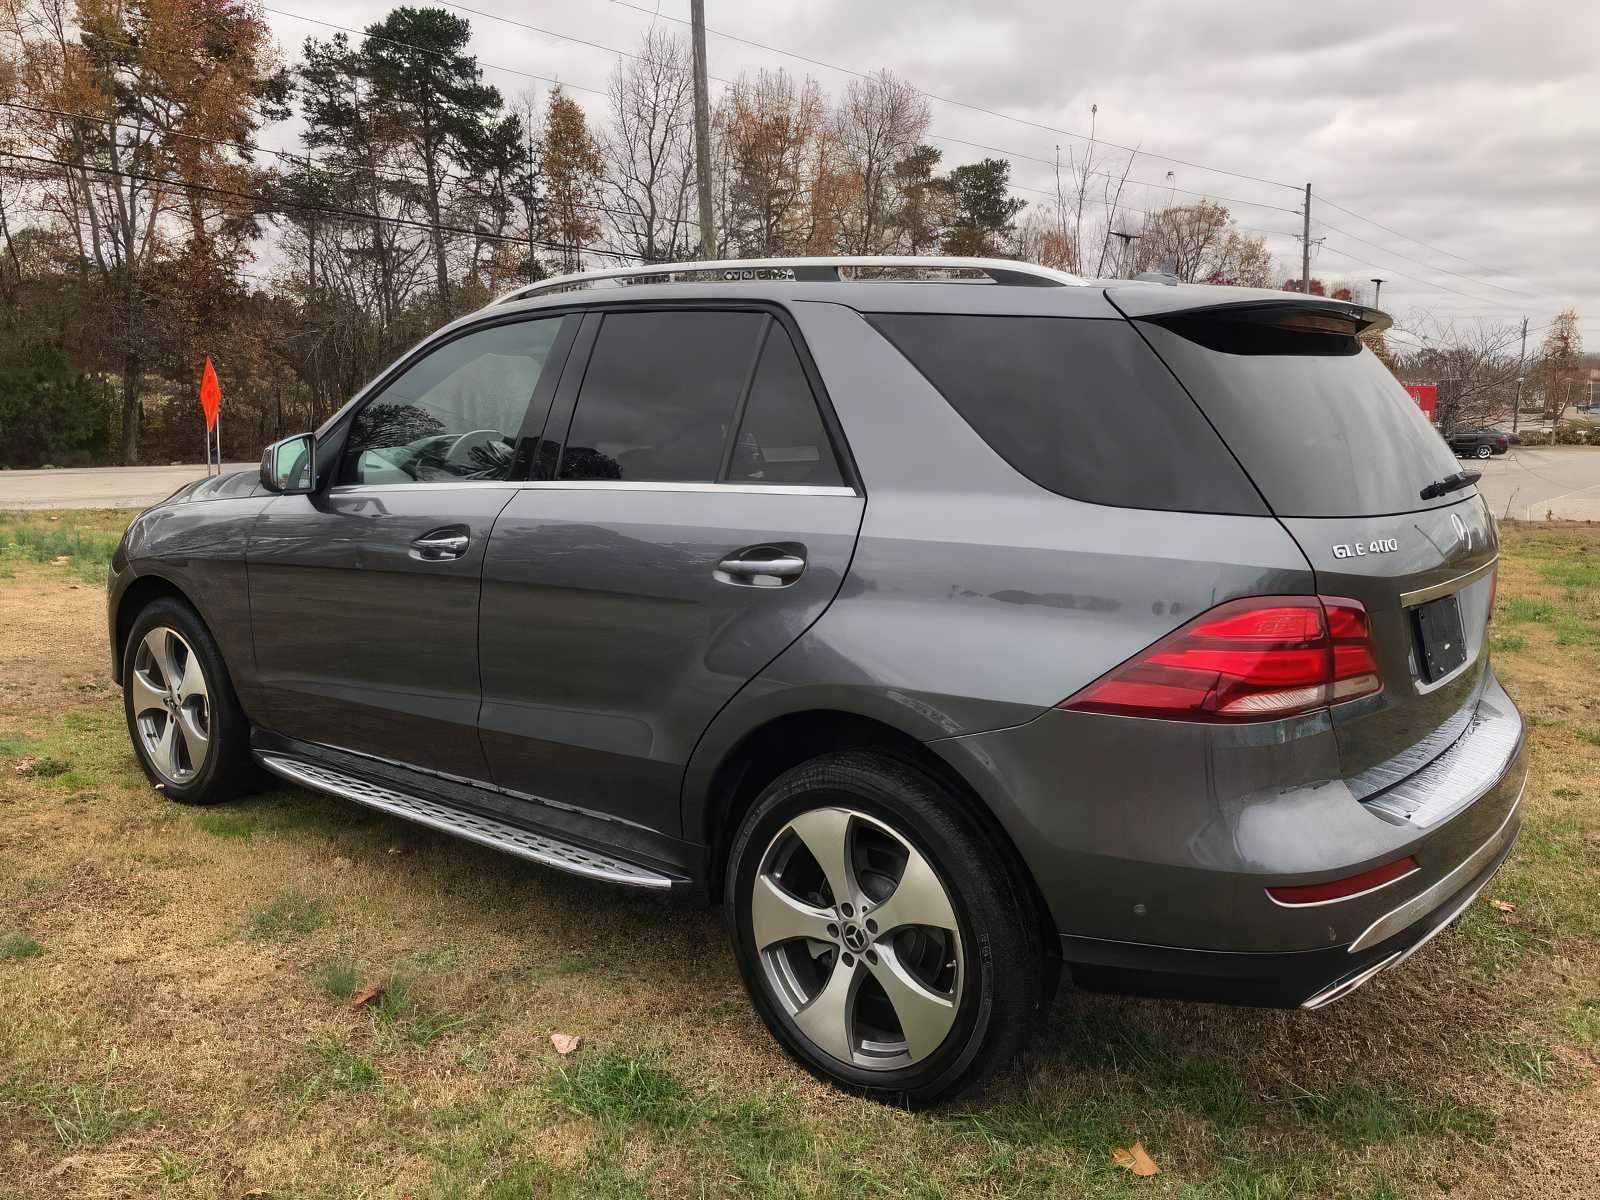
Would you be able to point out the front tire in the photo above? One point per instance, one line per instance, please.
(187, 728)
(879, 932)
(1485, 452)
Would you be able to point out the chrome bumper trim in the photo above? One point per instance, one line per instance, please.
(1345, 986)
(1425, 902)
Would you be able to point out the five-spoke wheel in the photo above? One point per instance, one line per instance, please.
(881, 934)
(171, 704)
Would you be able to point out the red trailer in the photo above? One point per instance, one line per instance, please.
(1426, 395)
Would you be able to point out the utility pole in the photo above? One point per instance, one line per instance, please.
(1516, 406)
(702, 128)
(1305, 249)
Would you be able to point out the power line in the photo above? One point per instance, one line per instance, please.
(1409, 238)
(414, 175)
(269, 207)
(577, 87)
(1420, 263)
(951, 100)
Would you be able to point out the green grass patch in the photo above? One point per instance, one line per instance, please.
(1362, 1114)
(570, 963)
(1507, 643)
(289, 914)
(19, 945)
(87, 551)
(1584, 1022)
(1587, 733)
(86, 1114)
(1530, 1061)
(44, 768)
(1572, 573)
(227, 824)
(343, 1068)
(14, 745)
(1522, 609)
(339, 980)
(625, 1090)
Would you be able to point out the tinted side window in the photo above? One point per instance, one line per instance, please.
(658, 398)
(782, 438)
(1081, 407)
(454, 414)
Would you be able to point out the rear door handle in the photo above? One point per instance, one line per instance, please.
(761, 566)
(439, 545)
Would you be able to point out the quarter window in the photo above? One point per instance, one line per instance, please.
(660, 396)
(454, 414)
(781, 438)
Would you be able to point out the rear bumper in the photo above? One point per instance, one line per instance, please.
(1304, 979)
(1154, 843)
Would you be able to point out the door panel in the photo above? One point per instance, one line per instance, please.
(364, 641)
(609, 641)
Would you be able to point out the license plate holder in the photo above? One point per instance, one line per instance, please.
(1440, 637)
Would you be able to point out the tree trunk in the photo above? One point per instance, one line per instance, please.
(130, 408)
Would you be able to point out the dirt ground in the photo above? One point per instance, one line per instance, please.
(176, 1018)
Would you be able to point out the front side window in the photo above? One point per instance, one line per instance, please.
(660, 396)
(454, 414)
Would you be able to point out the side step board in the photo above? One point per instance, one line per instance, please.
(474, 827)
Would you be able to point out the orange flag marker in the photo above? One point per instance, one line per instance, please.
(210, 394)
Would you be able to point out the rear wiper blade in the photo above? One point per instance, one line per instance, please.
(1451, 483)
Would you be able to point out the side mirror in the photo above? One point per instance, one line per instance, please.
(289, 467)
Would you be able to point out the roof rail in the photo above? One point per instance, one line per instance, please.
(904, 267)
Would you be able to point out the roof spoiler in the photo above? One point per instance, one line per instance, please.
(1287, 311)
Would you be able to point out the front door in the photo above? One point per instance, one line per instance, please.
(698, 522)
(364, 596)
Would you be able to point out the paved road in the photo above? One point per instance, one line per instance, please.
(97, 487)
(1527, 483)
(1532, 482)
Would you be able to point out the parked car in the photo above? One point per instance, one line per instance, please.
(952, 622)
(1473, 441)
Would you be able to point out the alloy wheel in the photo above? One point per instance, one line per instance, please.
(858, 939)
(171, 705)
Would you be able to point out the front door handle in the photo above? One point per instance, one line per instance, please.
(762, 566)
(439, 545)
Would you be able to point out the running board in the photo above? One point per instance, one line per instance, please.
(473, 827)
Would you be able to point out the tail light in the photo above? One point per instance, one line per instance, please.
(1256, 659)
(1494, 588)
(1344, 889)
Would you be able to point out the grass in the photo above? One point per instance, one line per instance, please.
(81, 540)
(218, 951)
(19, 945)
(289, 914)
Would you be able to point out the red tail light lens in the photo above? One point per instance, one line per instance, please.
(1256, 659)
(1344, 889)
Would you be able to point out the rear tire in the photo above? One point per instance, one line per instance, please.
(928, 977)
(187, 728)
(1485, 452)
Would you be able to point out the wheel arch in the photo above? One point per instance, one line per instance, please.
(140, 593)
(768, 749)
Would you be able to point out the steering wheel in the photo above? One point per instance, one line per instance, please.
(461, 452)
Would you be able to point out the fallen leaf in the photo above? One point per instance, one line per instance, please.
(366, 995)
(566, 1043)
(24, 765)
(60, 560)
(1502, 906)
(1135, 1160)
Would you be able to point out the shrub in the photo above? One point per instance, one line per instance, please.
(49, 412)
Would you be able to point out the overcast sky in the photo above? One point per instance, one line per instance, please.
(1473, 126)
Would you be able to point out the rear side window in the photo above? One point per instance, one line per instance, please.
(1081, 407)
(1321, 425)
(660, 394)
(781, 437)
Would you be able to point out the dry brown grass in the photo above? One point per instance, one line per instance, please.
(165, 1028)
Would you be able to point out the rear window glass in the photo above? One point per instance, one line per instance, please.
(1081, 407)
(1322, 434)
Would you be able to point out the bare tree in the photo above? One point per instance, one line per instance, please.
(772, 127)
(1475, 366)
(1203, 245)
(878, 123)
(647, 151)
(1560, 364)
(569, 165)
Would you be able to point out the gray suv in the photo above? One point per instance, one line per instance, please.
(950, 621)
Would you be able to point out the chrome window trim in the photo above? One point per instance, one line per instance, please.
(1435, 590)
(750, 489)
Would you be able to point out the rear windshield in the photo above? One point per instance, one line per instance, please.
(1081, 407)
(1324, 430)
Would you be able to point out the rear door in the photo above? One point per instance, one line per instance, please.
(364, 596)
(693, 516)
(1346, 461)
